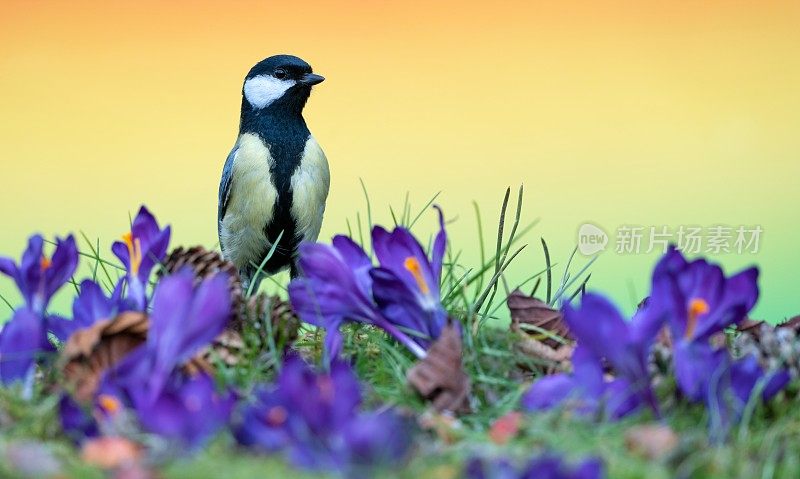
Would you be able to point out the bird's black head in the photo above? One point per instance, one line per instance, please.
(280, 82)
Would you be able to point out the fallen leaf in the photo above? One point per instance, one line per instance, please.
(651, 441)
(440, 376)
(543, 333)
(506, 428)
(537, 315)
(111, 452)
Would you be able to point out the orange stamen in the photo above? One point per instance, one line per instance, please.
(697, 307)
(45, 263)
(276, 416)
(326, 390)
(109, 404)
(412, 265)
(134, 251)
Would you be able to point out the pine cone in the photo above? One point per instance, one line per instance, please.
(773, 346)
(227, 347)
(205, 264)
(88, 353)
(282, 318)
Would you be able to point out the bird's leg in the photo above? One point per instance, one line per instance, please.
(294, 270)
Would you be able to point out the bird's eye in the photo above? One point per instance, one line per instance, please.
(280, 74)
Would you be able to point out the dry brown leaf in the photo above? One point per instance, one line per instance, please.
(530, 314)
(526, 310)
(111, 452)
(440, 377)
(793, 323)
(90, 352)
(651, 441)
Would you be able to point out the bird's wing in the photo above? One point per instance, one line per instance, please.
(225, 185)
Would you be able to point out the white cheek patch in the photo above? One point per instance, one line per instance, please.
(262, 90)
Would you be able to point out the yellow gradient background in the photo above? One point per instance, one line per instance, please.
(639, 112)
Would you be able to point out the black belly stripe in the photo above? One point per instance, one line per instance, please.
(285, 135)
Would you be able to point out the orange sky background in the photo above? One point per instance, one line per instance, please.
(635, 112)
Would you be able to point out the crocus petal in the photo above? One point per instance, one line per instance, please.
(61, 327)
(190, 411)
(590, 469)
(262, 424)
(91, 305)
(599, 326)
(551, 466)
(357, 260)
(738, 298)
(21, 339)
(75, 421)
(746, 375)
(9, 268)
(375, 439)
(152, 243)
(694, 364)
(334, 343)
(184, 320)
(120, 250)
(62, 267)
(621, 398)
(155, 253)
(549, 392)
(677, 285)
(401, 306)
(439, 247)
(394, 251)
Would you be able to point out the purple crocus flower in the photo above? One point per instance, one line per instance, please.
(76, 422)
(547, 466)
(698, 301)
(314, 418)
(602, 334)
(337, 287)
(149, 380)
(188, 409)
(140, 250)
(406, 285)
(401, 296)
(39, 277)
(91, 305)
(731, 385)
(21, 340)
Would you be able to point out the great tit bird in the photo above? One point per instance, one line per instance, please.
(276, 179)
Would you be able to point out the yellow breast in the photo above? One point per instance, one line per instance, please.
(251, 204)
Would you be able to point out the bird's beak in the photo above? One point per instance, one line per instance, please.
(311, 79)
